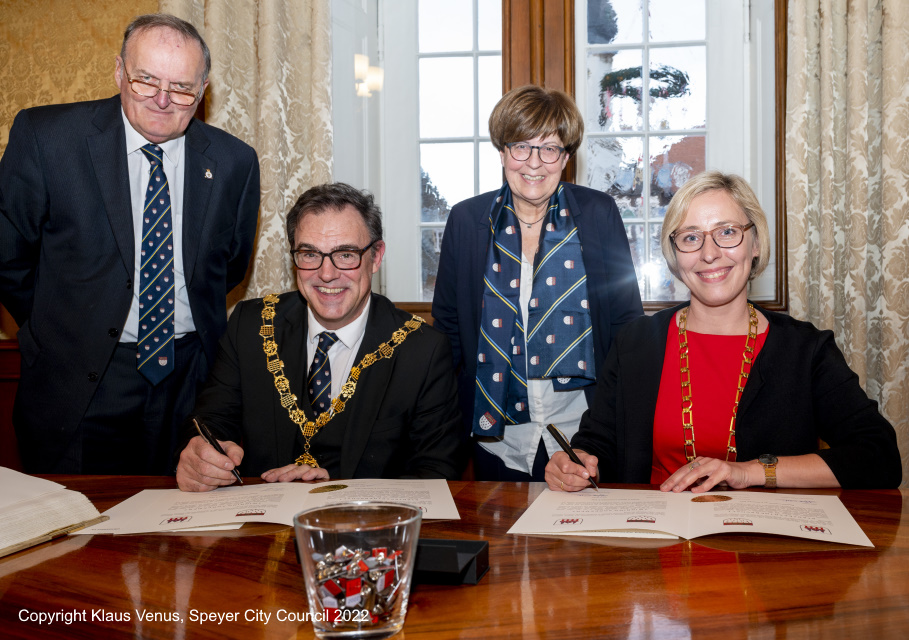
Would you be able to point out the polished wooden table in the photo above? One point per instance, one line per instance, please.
(727, 586)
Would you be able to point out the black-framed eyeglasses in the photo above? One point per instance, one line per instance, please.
(727, 236)
(521, 151)
(148, 90)
(343, 259)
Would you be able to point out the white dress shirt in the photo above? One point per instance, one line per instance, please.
(518, 447)
(342, 353)
(139, 167)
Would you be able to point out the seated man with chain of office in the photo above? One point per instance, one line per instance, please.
(330, 380)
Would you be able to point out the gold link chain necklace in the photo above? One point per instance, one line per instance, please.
(275, 365)
(685, 377)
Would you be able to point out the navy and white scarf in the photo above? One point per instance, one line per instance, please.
(558, 340)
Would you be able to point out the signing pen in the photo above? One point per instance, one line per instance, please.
(210, 439)
(551, 428)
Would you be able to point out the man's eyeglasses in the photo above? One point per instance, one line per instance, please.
(343, 259)
(728, 236)
(521, 151)
(148, 90)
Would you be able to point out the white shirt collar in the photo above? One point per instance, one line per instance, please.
(173, 149)
(348, 334)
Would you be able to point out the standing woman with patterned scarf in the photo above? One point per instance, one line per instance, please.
(534, 280)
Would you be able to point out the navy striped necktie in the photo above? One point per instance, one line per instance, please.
(156, 274)
(319, 380)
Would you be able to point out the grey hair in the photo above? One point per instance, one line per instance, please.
(155, 20)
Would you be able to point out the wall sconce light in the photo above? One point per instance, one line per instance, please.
(367, 78)
(375, 78)
(361, 67)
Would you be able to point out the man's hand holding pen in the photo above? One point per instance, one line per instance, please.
(207, 463)
(564, 475)
(201, 468)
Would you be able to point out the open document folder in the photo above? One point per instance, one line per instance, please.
(630, 513)
(156, 510)
(34, 510)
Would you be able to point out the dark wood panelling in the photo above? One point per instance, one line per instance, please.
(9, 381)
(538, 48)
(781, 14)
(538, 44)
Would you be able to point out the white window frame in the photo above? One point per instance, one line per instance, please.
(398, 36)
(745, 104)
(401, 186)
(740, 110)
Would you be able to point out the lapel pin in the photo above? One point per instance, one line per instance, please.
(208, 174)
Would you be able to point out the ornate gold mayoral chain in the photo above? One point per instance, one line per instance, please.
(309, 428)
(685, 376)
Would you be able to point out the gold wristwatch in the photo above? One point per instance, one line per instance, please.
(769, 461)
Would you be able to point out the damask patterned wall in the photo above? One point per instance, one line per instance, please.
(847, 180)
(59, 51)
(54, 51)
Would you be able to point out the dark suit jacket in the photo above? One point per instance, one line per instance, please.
(611, 282)
(800, 389)
(67, 252)
(403, 420)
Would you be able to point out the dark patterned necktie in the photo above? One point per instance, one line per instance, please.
(319, 380)
(156, 275)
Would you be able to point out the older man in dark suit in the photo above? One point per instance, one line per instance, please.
(124, 223)
(330, 380)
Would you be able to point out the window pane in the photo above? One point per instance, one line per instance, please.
(660, 283)
(429, 260)
(637, 243)
(448, 177)
(614, 21)
(614, 91)
(444, 111)
(673, 160)
(614, 166)
(445, 26)
(489, 25)
(490, 88)
(674, 20)
(678, 88)
(490, 168)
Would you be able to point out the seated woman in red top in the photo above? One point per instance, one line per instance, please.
(720, 390)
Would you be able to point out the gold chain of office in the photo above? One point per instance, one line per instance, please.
(275, 365)
(685, 377)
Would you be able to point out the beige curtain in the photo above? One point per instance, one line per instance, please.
(271, 87)
(847, 187)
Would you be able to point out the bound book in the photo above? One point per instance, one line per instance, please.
(633, 513)
(34, 510)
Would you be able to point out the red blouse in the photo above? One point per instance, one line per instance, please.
(715, 363)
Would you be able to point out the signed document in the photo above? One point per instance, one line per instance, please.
(632, 513)
(157, 510)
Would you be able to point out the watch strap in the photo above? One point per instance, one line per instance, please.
(769, 473)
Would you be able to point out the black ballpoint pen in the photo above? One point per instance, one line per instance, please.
(553, 430)
(210, 439)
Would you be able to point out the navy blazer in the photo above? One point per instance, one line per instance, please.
(402, 420)
(67, 254)
(800, 389)
(612, 286)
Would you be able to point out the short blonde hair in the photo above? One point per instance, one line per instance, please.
(531, 111)
(740, 191)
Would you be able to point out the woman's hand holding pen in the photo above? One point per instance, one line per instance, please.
(201, 468)
(564, 475)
